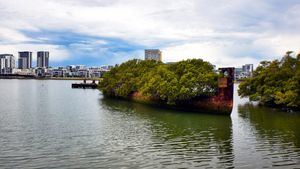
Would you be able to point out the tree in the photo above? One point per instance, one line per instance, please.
(122, 80)
(275, 83)
(170, 83)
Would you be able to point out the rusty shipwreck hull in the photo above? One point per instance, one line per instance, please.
(221, 103)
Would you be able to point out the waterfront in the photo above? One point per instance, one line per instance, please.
(46, 124)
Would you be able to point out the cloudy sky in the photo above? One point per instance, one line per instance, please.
(99, 32)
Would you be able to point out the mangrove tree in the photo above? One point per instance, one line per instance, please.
(275, 83)
(170, 83)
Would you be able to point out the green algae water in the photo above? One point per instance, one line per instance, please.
(46, 124)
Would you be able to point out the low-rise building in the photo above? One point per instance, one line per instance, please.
(107, 67)
(79, 67)
(97, 72)
(43, 72)
(24, 71)
(58, 72)
(83, 73)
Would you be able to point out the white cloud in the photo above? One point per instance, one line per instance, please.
(227, 33)
(11, 36)
(214, 53)
(57, 53)
(277, 45)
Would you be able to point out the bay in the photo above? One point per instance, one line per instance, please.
(47, 124)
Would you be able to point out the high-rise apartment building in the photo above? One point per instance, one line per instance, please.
(248, 68)
(7, 63)
(153, 54)
(25, 60)
(42, 59)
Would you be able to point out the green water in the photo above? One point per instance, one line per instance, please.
(46, 124)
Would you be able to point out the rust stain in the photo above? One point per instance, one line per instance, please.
(222, 82)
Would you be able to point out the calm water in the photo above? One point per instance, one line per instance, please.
(46, 124)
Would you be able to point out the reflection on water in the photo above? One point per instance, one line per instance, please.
(272, 135)
(270, 122)
(185, 139)
(46, 124)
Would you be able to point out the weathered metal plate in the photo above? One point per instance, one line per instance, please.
(222, 82)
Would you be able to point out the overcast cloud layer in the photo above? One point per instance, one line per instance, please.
(97, 32)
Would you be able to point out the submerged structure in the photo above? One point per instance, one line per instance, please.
(221, 103)
(189, 85)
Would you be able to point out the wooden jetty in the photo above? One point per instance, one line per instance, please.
(85, 85)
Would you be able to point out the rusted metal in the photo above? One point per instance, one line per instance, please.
(222, 82)
(223, 101)
(226, 93)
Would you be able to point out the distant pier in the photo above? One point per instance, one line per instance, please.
(86, 85)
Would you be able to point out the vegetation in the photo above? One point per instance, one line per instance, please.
(275, 83)
(169, 83)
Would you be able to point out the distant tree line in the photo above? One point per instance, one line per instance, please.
(275, 83)
(171, 83)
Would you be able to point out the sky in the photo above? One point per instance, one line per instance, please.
(102, 32)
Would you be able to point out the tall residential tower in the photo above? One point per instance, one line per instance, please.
(42, 59)
(25, 60)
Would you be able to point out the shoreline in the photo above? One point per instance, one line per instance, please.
(31, 77)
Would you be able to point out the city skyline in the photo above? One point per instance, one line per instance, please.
(39, 59)
(111, 32)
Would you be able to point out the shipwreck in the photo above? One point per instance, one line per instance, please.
(221, 103)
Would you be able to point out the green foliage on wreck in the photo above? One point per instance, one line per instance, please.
(275, 83)
(168, 83)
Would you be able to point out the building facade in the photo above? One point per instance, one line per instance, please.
(244, 72)
(25, 60)
(153, 54)
(42, 59)
(248, 68)
(58, 72)
(7, 63)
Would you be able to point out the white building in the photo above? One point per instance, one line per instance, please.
(97, 72)
(58, 72)
(24, 71)
(83, 73)
(7, 63)
(43, 72)
(79, 67)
